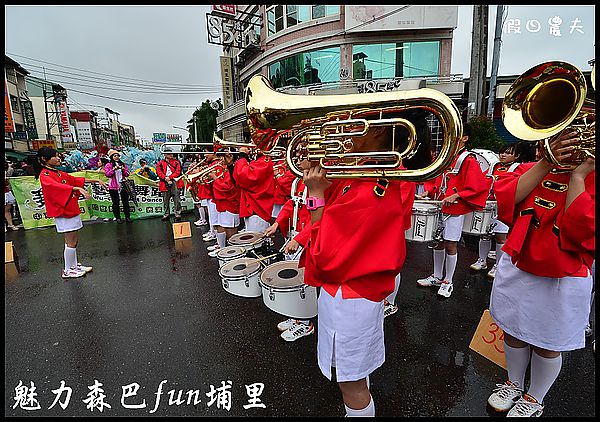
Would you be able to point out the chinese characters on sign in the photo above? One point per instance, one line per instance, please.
(513, 26)
(64, 122)
(26, 397)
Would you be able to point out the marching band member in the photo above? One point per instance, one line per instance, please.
(541, 293)
(461, 191)
(206, 192)
(227, 202)
(168, 169)
(61, 197)
(292, 329)
(256, 183)
(355, 262)
(510, 156)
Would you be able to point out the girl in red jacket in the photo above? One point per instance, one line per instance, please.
(61, 193)
(541, 294)
(355, 262)
(460, 193)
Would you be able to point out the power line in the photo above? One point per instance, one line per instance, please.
(135, 102)
(107, 74)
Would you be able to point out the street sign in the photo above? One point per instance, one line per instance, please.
(182, 230)
(159, 137)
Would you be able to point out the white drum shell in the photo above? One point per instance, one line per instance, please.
(242, 285)
(225, 259)
(424, 221)
(478, 222)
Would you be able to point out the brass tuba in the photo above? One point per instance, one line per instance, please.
(546, 100)
(324, 125)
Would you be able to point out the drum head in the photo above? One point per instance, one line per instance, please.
(245, 238)
(240, 267)
(423, 207)
(230, 251)
(283, 275)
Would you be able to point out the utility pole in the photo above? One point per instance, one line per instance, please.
(495, 61)
(478, 60)
(195, 129)
(48, 136)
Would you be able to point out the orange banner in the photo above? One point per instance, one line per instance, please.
(9, 124)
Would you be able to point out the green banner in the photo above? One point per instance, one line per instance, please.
(28, 193)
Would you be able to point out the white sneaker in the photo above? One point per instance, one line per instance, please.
(429, 281)
(389, 309)
(504, 397)
(213, 247)
(445, 289)
(213, 253)
(297, 331)
(492, 255)
(492, 273)
(480, 264)
(197, 223)
(83, 268)
(209, 237)
(72, 273)
(286, 325)
(527, 406)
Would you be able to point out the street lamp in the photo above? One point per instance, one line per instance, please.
(182, 128)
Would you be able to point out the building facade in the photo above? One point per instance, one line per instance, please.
(330, 49)
(16, 90)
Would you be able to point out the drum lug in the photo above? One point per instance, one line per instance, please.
(225, 284)
(271, 295)
(247, 282)
(302, 293)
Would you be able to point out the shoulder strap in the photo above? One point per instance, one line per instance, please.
(513, 166)
(463, 155)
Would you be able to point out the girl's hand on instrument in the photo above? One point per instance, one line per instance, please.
(449, 200)
(291, 247)
(315, 179)
(271, 230)
(585, 168)
(563, 146)
(422, 195)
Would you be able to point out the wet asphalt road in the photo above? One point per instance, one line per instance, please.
(152, 311)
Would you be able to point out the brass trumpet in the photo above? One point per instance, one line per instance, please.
(546, 100)
(324, 126)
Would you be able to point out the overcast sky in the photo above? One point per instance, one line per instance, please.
(164, 48)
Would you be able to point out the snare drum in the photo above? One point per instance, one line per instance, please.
(240, 277)
(230, 253)
(284, 291)
(424, 221)
(479, 222)
(247, 240)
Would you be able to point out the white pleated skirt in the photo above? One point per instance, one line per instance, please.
(71, 224)
(350, 336)
(550, 313)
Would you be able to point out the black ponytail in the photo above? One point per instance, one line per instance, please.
(43, 155)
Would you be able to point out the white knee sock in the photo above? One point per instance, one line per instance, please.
(484, 247)
(517, 359)
(544, 372)
(222, 239)
(438, 262)
(367, 411)
(70, 256)
(201, 213)
(499, 251)
(392, 297)
(450, 266)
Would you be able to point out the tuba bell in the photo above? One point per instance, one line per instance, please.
(546, 100)
(324, 126)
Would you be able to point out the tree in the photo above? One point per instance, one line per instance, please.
(206, 121)
(484, 134)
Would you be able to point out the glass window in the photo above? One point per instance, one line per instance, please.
(292, 15)
(306, 68)
(14, 101)
(271, 21)
(303, 13)
(279, 18)
(332, 10)
(392, 60)
(318, 11)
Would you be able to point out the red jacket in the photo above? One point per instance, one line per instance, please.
(226, 194)
(544, 239)
(286, 215)
(283, 187)
(361, 244)
(161, 171)
(470, 183)
(257, 186)
(59, 197)
(204, 191)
